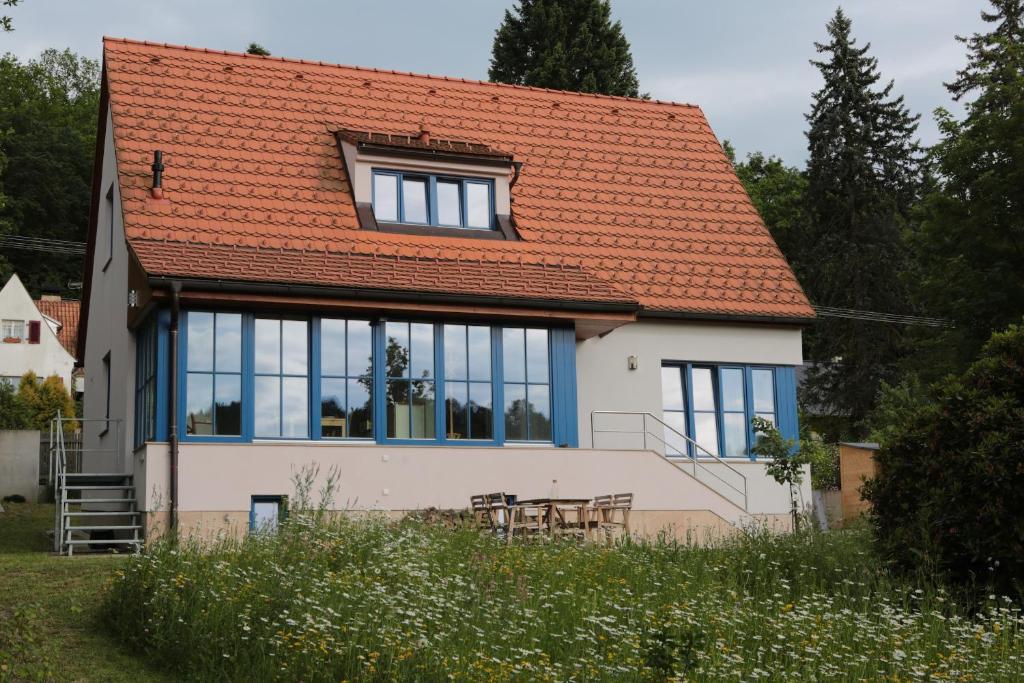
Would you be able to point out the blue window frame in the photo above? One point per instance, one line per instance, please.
(267, 512)
(713, 405)
(395, 382)
(145, 383)
(433, 200)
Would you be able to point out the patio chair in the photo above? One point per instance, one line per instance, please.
(498, 512)
(526, 519)
(610, 514)
(481, 511)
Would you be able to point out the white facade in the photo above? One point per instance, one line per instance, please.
(48, 357)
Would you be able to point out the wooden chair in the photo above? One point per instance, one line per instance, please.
(610, 514)
(481, 512)
(497, 511)
(526, 520)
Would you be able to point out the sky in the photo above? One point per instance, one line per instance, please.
(744, 62)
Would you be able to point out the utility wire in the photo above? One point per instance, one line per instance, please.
(42, 244)
(878, 317)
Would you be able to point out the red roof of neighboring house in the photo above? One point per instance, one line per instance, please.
(620, 200)
(64, 311)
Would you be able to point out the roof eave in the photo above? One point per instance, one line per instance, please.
(798, 321)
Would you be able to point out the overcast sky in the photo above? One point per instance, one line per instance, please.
(745, 62)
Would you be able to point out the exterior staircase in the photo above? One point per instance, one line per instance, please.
(94, 511)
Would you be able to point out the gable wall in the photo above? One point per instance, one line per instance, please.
(46, 358)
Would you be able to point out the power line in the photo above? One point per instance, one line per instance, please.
(49, 246)
(878, 317)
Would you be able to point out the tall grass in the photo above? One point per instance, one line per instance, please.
(336, 599)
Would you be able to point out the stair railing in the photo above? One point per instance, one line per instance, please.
(685, 450)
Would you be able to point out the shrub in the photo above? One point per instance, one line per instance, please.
(13, 414)
(42, 399)
(948, 496)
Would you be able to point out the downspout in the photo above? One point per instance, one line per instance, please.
(517, 168)
(172, 420)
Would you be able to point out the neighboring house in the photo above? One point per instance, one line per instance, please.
(36, 335)
(432, 285)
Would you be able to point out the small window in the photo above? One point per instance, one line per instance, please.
(440, 201)
(267, 512)
(13, 331)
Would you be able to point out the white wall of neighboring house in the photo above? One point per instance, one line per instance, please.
(108, 328)
(48, 357)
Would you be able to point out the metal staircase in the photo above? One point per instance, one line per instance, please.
(706, 467)
(93, 510)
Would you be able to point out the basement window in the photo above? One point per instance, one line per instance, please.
(434, 200)
(267, 512)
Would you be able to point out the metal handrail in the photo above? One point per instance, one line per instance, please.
(693, 459)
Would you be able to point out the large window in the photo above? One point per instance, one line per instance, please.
(440, 201)
(410, 383)
(468, 390)
(527, 386)
(282, 378)
(714, 405)
(145, 384)
(213, 383)
(346, 378)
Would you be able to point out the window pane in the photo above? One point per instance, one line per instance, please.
(675, 444)
(199, 403)
(449, 204)
(422, 410)
(515, 412)
(414, 200)
(513, 354)
(268, 346)
(703, 391)
(265, 515)
(672, 389)
(478, 205)
(200, 341)
(360, 343)
(229, 342)
(295, 342)
(537, 356)
(295, 401)
(385, 197)
(455, 410)
(422, 350)
(764, 390)
(332, 408)
(540, 412)
(707, 432)
(228, 405)
(332, 346)
(479, 352)
(770, 417)
(481, 415)
(397, 351)
(455, 351)
(735, 428)
(397, 406)
(732, 389)
(360, 409)
(268, 406)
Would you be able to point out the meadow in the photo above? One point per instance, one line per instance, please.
(370, 600)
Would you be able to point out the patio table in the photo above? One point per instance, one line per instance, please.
(552, 508)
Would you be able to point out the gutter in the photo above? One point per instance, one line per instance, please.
(172, 420)
(725, 317)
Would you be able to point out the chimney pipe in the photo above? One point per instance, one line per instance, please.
(158, 175)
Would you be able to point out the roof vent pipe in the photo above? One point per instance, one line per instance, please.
(424, 135)
(158, 175)
(517, 168)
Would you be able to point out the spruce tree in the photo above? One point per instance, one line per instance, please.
(862, 179)
(971, 240)
(565, 45)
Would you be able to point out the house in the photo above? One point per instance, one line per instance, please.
(436, 287)
(36, 335)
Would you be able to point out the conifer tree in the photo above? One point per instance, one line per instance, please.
(862, 179)
(566, 45)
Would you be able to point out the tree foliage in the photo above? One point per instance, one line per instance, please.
(566, 45)
(946, 498)
(862, 180)
(48, 110)
(257, 49)
(971, 242)
(43, 399)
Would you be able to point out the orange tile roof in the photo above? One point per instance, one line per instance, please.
(66, 312)
(619, 200)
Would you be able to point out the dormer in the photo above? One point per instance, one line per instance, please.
(418, 185)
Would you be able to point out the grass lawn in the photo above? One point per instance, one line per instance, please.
(49, 624)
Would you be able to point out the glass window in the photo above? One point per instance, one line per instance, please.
(266, 513)
(409, 397)
(145, 384)
(281, 383)
(734, 412)
(414, 200)
(468, 390)
(13, 330)
(478, 205)
(346, 409)
(449, 203)
(763, 387)
(213, 396)
(527, 387)
(705, 419)
(673, 405)
(385, 197)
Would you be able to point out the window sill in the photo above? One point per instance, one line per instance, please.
(438, 231)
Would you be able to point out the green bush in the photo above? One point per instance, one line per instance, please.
(35, 403)
(948, 496)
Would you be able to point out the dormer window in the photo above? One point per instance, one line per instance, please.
(440, 201)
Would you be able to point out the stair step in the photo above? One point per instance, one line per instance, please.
(81, 501)
(128, 527)
(100, 513)
(119, 475)
(126, 487)
(108, 541)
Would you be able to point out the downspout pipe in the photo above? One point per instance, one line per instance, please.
(172, 420)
